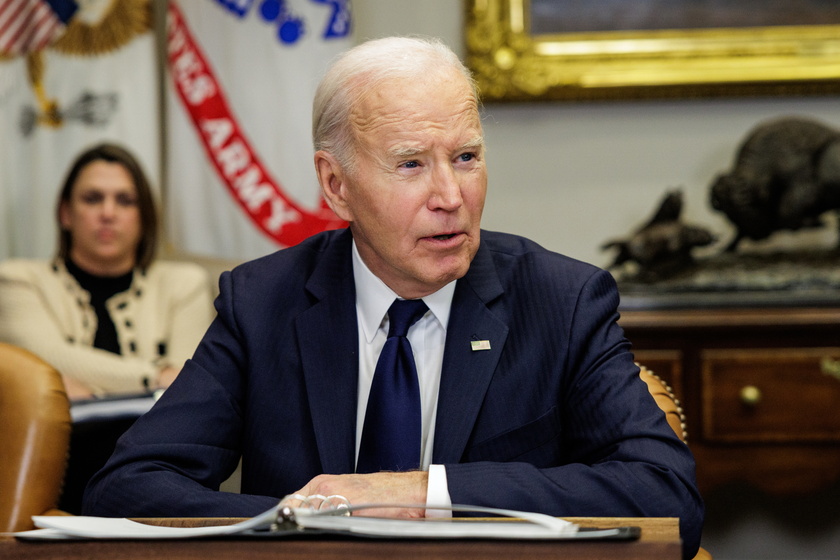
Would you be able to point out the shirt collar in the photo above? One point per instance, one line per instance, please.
(373, 298)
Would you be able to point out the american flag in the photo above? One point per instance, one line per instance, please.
(30, 25)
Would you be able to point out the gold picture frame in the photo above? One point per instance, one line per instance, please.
(511, 64)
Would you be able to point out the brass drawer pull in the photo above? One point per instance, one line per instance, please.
(830, 367)
(750, 395)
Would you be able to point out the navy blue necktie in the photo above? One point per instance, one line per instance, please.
(391, 435)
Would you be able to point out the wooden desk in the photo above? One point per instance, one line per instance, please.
(659, 540)
(760, 388)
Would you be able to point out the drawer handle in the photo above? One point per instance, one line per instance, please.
(750, 395)
(830, 367)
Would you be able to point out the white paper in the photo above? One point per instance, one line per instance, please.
(528, 526)
(111, 408)
(86, 527)
(437, 528)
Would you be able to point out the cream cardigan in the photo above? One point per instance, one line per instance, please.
(159, 321)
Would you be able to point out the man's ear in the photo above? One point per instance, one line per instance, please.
(333, 181)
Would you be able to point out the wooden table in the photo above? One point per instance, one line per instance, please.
(659, 540)
(760, 388)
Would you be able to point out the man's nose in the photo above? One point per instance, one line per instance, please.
(446, 189)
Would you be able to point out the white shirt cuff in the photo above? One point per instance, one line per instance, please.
(437, 492)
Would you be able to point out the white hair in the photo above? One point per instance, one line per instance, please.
(360, 69)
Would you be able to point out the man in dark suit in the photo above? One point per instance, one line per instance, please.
(528, 395)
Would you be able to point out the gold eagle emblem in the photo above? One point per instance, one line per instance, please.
(97, 27)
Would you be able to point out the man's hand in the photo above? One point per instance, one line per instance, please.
(376, 488)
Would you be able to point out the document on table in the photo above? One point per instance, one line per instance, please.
(86, 527)
(296, 522)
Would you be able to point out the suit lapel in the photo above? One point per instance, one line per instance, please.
(466, 373)
(328, 335)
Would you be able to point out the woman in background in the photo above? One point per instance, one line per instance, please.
(108, 316)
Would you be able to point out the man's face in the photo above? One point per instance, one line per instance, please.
(103, 219)
(417, 193)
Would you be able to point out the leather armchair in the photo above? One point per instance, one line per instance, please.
(667, 401)
(35, 433)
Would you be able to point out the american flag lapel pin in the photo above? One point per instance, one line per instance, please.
(477, 345)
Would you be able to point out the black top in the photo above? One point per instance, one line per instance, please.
(101, 288)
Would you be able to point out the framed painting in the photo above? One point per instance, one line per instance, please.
(522, 50)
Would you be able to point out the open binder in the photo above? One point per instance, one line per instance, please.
(283, 521)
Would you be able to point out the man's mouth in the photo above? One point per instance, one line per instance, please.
(444, 237)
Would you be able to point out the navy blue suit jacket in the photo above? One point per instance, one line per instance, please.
(552, 418)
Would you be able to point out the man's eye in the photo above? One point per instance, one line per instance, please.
(468, 156)
(413, 164)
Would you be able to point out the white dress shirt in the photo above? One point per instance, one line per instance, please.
(427, 337)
